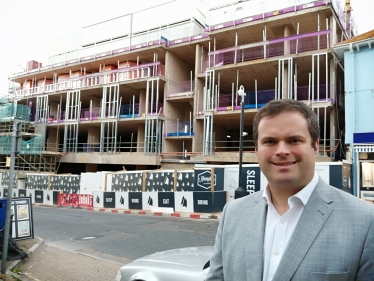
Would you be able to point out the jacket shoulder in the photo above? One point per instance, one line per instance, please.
(246, 201)
(343, 200)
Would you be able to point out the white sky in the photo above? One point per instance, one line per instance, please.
(26, 26)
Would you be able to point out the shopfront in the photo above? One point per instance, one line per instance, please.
(363, 170)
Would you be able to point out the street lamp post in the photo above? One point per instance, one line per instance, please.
(240, 192)
(15, 147)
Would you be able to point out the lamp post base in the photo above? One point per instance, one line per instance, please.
(239, 192)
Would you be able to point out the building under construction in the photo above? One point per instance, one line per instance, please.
(165, 95)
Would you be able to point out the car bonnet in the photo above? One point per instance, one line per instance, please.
(192, 258)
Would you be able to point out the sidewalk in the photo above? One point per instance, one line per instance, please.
(49, 263)
(27, 245)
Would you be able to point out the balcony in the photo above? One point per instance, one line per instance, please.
(257, 99)
(128, 74)
(272, 48)
(179, 129)
(180, 89)
(242, 12)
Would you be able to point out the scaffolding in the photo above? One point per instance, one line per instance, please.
(32, 156)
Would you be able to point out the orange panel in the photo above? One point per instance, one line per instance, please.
(62, 77)
(108, 68)
(44, 82)
(75, 74)
(27, 84)
(126, 64)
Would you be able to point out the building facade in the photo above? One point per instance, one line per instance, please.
(357, 56)
(166, 96)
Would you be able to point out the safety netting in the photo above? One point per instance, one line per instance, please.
(32, 146)
(14, 111)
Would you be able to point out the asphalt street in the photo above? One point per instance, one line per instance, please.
(119, 237)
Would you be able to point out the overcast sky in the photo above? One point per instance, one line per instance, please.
(26, 26)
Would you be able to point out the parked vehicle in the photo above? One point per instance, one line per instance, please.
(184, 264)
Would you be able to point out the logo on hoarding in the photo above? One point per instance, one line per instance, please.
(232, 184)
(150, 201)
(122, 200)
(184, 202)
(204, 180)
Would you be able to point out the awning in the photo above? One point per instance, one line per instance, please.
(364, 148)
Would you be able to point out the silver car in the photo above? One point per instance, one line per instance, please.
(184, 264)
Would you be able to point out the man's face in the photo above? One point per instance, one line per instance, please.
(285, 152)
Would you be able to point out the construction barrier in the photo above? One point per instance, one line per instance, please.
(75, 200)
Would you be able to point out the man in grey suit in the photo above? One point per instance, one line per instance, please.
(299, 227)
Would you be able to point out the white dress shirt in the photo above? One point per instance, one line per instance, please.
(279, 229)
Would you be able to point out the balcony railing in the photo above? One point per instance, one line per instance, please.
(90, 114)
(91, 147)
(98, 79)
(227, 147)
(252, 11)
(179, 128)
(129, 111)
(87, 114)
(253, 99)
(180, 89)
(261, 50)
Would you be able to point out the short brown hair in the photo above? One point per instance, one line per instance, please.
(276, 107)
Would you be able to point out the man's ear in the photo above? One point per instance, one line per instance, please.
(316, 147)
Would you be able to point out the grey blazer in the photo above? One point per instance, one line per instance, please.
(333, 240)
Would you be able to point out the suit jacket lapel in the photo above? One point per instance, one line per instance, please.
(254, 242)
(315, 214)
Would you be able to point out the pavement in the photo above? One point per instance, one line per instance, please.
(51, 263)
(27, 245)
(47, 262)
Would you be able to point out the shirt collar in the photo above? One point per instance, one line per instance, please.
(303, 195)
